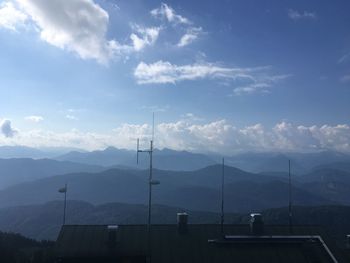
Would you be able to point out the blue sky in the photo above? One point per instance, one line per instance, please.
(221, 76)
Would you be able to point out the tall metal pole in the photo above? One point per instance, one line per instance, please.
(153, 127)
(150, 200)
(151, 182)
(65, 204)
(222, 196)
(290, 199)
(150, 186)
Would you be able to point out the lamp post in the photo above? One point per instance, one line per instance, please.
(64, 190)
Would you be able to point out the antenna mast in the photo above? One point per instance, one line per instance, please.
(153, 127)
(151, 182)
(222, 196)
(290, 199)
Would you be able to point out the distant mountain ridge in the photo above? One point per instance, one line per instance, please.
(18, 170)
(7, 152)
(195, 190)
(167, 159)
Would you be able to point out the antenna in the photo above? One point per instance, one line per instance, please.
(222, 196)
(151, 182)
(137, 150)
(290, 199)
(153, 127)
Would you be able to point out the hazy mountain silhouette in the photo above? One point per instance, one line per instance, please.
(108, 157)
(301, 163)
(14, 171)
(343, 166)
(196, 190)
(7, 152)
(332, 184)
(165, 159)
(21, 152)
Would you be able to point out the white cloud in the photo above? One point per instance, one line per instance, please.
(168, 13)
(190, 36)
(144, 37)
(71, 117)
(162, 72)
(78, 26)
(34, 118)
(165, 72)
(252, 88)
(6, 129)
(296, 15)
(10, 17)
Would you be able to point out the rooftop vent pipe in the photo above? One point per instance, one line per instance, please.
(112, 235)
(256, 224)
(347, 241)
(182, 220)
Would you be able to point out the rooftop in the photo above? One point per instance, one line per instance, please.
(201, 243)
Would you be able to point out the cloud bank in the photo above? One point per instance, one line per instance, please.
(193, 134)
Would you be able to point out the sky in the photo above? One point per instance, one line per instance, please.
(220, 76)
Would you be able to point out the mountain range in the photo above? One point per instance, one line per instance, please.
(18, 170)
(167, 159)
(194, 190)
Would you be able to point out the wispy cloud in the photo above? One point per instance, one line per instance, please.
(156, 108)
(168, 13)
(34, 118)
(261, 84)
(345, 78)
(163, 72)
(144, 36)
(344, 58)
(191, 35)
(71, 117)
(297, 15)
(191, 32)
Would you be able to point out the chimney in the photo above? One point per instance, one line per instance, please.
(347, 241)
(112, 236)
(256, 224)
(182, 220)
